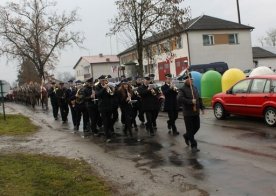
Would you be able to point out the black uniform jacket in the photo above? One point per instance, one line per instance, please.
(184, 99)
(105, 100)
(170, 98)
(149, 101)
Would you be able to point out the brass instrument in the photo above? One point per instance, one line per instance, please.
(153, 92)
(109, 90)
(173, 87)
(135, 91)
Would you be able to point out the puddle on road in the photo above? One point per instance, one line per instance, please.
(258, 135)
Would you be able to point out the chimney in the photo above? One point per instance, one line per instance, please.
(101, 55)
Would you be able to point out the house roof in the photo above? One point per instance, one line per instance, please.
(203, 22)
(259, 52)
(99, 59)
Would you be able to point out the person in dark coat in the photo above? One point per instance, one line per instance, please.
(170, 92)
(105, 95)
(80, 108)
(150, 103)
(63, 99)
(91, 105)
(54, 100)
(72, 90)
(125, 94)
(189, 99)
(141, 115)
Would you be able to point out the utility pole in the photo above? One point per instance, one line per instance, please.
(238, 9)
(2, 98)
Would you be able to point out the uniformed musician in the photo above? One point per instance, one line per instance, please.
(170, 92)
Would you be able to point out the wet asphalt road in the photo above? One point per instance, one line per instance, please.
(237, 156)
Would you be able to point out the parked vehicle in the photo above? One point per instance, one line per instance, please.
(220, 67)
(253, 96)
(247, 72)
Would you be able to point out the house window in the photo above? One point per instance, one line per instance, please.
(146, 69)
(233, 38)
(158, 49)
(208, 40)
(178, 42)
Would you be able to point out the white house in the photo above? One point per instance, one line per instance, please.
(202, 40)
(263, 57)
(95, 66)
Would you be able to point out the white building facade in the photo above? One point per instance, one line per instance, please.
(203, 40)
(95, 66)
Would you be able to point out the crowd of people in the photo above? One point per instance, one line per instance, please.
(96, 103)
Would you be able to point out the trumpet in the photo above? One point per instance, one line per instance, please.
(153, 92)
(135, 91)
(109, 90)
(174, 88)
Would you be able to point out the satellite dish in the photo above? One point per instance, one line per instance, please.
(5, 88)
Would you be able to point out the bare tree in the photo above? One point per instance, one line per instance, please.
(271, 37)
(143, 18)
(65, 76)
(262, 40)
(32, 30)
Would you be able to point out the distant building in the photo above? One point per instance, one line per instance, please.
(202, 40)
(95, 66)
(264, 57)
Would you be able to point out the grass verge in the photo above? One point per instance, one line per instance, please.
(16, 125)
(24, 174)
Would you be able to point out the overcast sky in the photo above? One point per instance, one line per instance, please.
(95, 15)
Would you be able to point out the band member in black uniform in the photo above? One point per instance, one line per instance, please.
(170, 92)
(150, 104)
(141, 115)
(53, 98)
(125, 96)
(105, 94)
(80, 109)
(91, 105)
(72, 91)
(191, 103)
(63, 97)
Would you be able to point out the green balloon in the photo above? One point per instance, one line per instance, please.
(210, 84)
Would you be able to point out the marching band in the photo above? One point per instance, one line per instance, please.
(96, 103)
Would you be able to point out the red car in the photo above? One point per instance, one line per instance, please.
(253, 96)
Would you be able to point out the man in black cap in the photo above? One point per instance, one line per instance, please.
(150, 104)
(80, 108)
(170, 92)
(72, 90)
(91, 105)
(105, 105)
(191, 103)
(63, 99)
(54, 99)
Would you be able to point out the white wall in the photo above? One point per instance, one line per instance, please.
(178, 53)
(80, 68)
(268, 62)
(235, 55)
(104, 69)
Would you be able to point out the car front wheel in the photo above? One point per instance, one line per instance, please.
(219, 111)
(270, 116)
